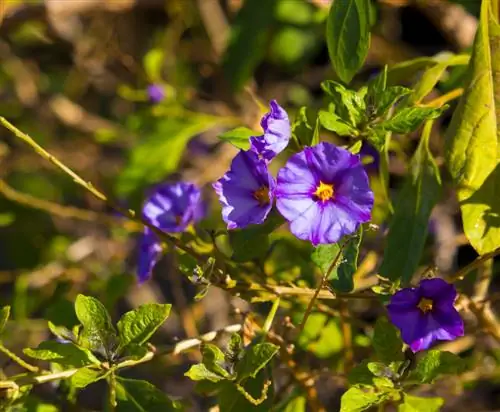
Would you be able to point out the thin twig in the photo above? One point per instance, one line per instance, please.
(17, 359)
(474, 265)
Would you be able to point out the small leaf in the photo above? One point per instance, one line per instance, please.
(435, 363)
(348, 36)
(302, 129)
(137, 326)
(86, 376)
(254, 359)
(213, 359)
(98, 332)
(387, 342)
(410, 118)
(62, 332)
(419, 404)
(360, 375)
(200, 372)
(332, 122)
(408, 226)
(357, 400)
(239, 137)
(389, 98)
(349, 105)
(66, 354)
(4, 317)
(473, 139)
(141, 396)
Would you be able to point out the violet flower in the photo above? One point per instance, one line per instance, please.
(156, 93)
(277, 132)
(324, 193)
(426, 313)
(246, 191)
(172, 207)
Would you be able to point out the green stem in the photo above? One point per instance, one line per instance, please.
(474, 265)
(17, 359)
(270, 316)
(112, 391)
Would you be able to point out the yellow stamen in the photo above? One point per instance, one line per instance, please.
(262, 195)
(425, 305)
(324, 191)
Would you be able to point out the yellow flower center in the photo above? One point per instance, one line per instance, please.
(262, 195)
(425, 305)
(324, 191)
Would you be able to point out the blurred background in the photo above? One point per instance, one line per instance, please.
(129, 93)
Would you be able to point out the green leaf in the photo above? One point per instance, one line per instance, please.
(408, 226)
(387, 342)
(349, 105)
(4, 317)
(472, 139)
(360, 374)
(160, 152)
(376, 87)
(141, 396)
(321, 336)
(98, 332)
(247, 43)
(332, 122)
(153, 62)
(137, 326)
(348, 36)
(389, 98)
(253, 241)
(410, 118)
(357, 400)
(61, 332)
(200, 372)
(86, 376)
(435, 363)
(66, 354)
(419, 404)
(302, 129)
(213, 359)
(239, 137)
(254, 359)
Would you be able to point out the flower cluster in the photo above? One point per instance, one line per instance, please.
(323, 191)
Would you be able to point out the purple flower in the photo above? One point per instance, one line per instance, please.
(426, 313)
(276, 135)
(171, 207)
(246, 191)
(324, 193)
(156, 93)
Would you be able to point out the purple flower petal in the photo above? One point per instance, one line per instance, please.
(246, 191)
(324, 193)
(149, 255)
(276, 135)
(156, 93)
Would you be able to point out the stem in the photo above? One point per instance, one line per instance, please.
(474, 265)
(445, 98)
(17, 359)
(94, 191)
(112, 391)
(484, 274)
(270, 316)
(318, 289)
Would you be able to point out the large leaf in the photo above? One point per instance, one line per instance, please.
(387, 342)
(159, 153)
(247, 43)
(137, 326)
(254, 359)
(472, 140)
(435, 363)
(66, 354)
(98, 332)
(348, 36)
(408, 227)
(141, 396)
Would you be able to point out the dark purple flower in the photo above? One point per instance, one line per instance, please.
(246, 191)
(276, 135)
(171, 207)
(426, 313)
(156, 93)
(324, 193)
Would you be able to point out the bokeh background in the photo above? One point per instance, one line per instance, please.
(74, 74)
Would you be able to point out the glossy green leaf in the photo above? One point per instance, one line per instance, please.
(200, 372)
(472, 139)
(348, 36)
(254, 359)
(239, 137)
(435, 363)
(98, 333)
(86, 376)
(349, 105)
(66, 354)
(141, 396)
(387, 341)
(247, 43)
(332, 122)
(159, 152)
(410, 118)
(418, 404)
(4, 317)
(408, 226)
(389, 98)
(213, 359)
(357, 400)
(138, 325)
